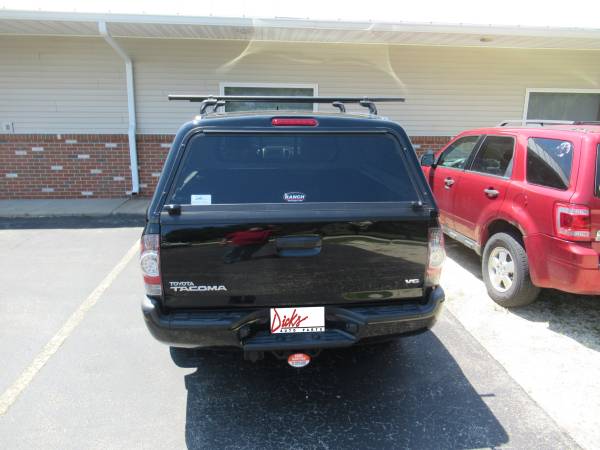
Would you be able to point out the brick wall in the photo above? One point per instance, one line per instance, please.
(93, 165)
(424, 143)
(152, 151)
(77, 166)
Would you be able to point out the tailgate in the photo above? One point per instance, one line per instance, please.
(214, 261)
(291, 218)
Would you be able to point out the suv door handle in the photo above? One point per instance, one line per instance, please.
(491, 192)
(448, 182)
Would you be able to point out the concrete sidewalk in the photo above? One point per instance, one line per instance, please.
(100, 207)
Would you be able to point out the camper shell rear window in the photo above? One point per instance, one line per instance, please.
(221, 169)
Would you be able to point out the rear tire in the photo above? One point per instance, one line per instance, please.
(505, 271)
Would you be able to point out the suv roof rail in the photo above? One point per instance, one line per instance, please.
(540, 122)
(338, 102)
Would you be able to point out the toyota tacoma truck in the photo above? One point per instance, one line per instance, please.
(289, 233)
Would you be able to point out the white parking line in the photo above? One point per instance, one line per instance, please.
(12, 393)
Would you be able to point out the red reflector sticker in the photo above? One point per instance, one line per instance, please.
(298, 360)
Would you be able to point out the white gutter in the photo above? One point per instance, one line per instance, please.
(299, 23)
(131, 131)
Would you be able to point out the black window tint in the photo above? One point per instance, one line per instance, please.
(275, 168)
(458, 153)
(495, 156)
(549, 162)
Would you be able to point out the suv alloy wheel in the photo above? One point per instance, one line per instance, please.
(501, 269)
(506, 271)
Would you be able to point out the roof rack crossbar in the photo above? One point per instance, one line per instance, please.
(338, 102)
(282, 98)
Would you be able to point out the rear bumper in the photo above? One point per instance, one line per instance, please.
(563, 265)
(249, 329)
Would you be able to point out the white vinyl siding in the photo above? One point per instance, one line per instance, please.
(447, 89)
(61, 85)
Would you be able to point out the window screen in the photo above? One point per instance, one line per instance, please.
(495, 156)
(549, 162)
(458, 153)
(275, 168)
(254, 106)
(564, 106)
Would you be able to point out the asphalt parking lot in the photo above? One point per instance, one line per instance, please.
(70, 307)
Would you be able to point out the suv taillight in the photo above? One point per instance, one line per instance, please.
(572, 222)
(435, 257)
(150, 263)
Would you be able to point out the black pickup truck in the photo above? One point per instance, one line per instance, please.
(290, 232)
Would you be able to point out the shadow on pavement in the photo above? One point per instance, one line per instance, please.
(408, 394)
(464, 256)
(575, 316)
(73, 222)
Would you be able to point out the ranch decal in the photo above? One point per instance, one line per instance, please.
(294, 197)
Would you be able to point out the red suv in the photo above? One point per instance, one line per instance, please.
(526, 198)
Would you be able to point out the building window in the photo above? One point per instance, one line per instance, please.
(268, 89)
(562, 104)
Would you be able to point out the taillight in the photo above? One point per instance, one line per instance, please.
(293, 122)
(435, 257)
(572, 222)
(150, 263)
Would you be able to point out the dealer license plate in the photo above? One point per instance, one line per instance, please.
(298, 320)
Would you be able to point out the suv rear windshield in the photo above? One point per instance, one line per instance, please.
(284, 168)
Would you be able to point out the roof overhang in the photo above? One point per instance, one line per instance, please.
(295, 30)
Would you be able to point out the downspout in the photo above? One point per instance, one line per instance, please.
(131, 131)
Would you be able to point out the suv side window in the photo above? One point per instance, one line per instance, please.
(597, 190)
(495, 156)
(457, 155)
(549, 162)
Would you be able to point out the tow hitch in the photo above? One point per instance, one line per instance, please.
(298, 360)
